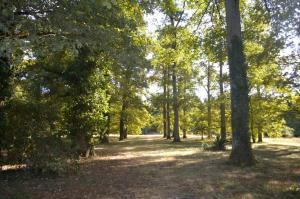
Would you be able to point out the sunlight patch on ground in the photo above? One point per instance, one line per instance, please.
(12, 167)
(283, 141)
(149, 154)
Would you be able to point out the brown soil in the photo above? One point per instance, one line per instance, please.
(153, 168)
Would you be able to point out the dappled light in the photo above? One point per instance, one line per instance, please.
(149, 99)
(153, 167)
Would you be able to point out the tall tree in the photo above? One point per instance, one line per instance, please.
(208, 90)
(241, 153)
(222, 104)
(165, 103)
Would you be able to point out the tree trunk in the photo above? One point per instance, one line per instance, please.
(105, 137)
(122, 123)
(241, 153)
(260, 135)
(184, 127)
(259, 128)
(252, 122)
(168, 108)
(5, 92)
(184, 133)
(222, 104)
(80, 144)
(175, 106)
(209, 101)
(165, 104)
(176, 137)
(125, 131)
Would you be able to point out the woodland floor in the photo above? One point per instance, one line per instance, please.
(153, 168)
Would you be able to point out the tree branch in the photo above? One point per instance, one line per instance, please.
(201, 18)
(181, 14)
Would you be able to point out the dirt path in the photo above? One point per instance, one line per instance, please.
(152, 168)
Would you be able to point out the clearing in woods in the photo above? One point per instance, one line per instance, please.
(154, 168)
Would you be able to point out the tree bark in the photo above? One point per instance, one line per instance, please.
(5, 92)
(209, 100)
(184, 127)
(176, 137)
(165, 104)
(122, 122)
(241, 153)
(260, 135)
(105, 136)
(222, 104)
(175, 106)
(252, 122)
(168, 107)
(125, 131)
(259, 126)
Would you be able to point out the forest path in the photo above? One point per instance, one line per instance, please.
(154, 168)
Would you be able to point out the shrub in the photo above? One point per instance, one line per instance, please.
(52, 156)
(219, 144)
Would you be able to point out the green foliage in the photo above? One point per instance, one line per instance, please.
(52, 156)
(86, 101)
(219, 144)
(292, 114)
(136, 114)
(62, 80)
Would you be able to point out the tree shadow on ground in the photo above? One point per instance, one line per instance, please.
(155, 168)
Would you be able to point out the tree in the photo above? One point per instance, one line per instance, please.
(241, 153)
(175, 17)
(87, 101)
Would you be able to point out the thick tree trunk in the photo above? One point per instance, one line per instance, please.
(5, 76)
(222, 104)
(80, 144)
(241, 153)
(209, 101)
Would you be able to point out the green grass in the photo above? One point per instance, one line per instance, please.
(151, 167)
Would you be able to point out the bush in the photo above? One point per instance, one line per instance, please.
(219, 144)
(52, 156)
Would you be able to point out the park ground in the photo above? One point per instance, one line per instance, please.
(153, 168)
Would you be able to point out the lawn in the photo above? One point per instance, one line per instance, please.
(153, 168)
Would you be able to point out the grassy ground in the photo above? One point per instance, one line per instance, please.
(152, 168)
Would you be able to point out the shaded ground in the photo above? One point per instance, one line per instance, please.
(152, 168)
